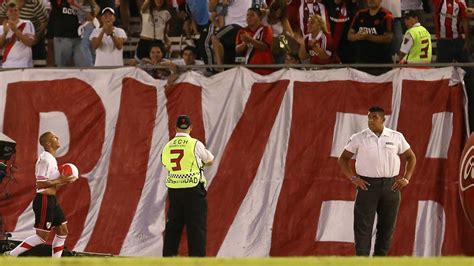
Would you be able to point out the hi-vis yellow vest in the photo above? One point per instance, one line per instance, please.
(180, 160)
(421, 51)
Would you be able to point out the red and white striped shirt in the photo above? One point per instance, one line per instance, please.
(448, 17)
(309, 9)
(323, 41)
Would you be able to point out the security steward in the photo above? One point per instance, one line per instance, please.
(184, 157)
(378, 151)
(416, 46)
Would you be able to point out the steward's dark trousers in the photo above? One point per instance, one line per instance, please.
(187, 207)
(380, 199)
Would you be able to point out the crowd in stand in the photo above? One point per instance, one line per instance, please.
(86, 33)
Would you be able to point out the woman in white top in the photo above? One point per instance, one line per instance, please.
(155, 19)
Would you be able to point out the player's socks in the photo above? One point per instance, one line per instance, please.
(26, 245)
(58, 245)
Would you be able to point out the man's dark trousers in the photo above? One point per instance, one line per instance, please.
(187, 207)
(380, 199)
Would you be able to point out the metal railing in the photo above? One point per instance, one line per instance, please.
(281, 66)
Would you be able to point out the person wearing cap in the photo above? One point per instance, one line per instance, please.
(185, 157)
(16, 38)
(108, 40)
(377, 151)
(416, 46)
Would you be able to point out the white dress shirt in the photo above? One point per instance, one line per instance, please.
(377, 156)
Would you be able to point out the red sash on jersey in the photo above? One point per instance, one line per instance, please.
(11, 42)
(258, 35)
(305, 13)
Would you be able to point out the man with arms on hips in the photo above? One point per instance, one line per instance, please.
(108, 41)
(16, 38)
(48, 213)
(378, 151)
(185, 157)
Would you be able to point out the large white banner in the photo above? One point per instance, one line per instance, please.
(275, 188)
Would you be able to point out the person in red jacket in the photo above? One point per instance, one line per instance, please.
(255, 41)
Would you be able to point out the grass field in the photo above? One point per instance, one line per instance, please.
(291, 261)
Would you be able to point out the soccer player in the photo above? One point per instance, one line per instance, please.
(48, 214)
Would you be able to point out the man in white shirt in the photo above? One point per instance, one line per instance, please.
(108, 41)
(378, 151)
(188, 55)
(16, 38)
(48, 214)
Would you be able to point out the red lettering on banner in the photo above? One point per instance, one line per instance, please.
(241, 158)
(86, 122)
(128, 166)
(185, 98)
(431, 174)
(311, 175)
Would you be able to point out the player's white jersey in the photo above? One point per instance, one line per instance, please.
(46, 168)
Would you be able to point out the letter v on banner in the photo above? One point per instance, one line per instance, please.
(241, 159)
(86, 122)
(127, 168)
(311, 172)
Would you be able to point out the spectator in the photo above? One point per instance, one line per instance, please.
(255, 41)
(188, 55)
(224, 39)
(277, 19)
(16, 37)
(317, 45)
(198, 13)
(108, 40)
(156, 58)
(155, 18)
(292, 59)
(34, 11)
(86, 11)
(451, 22)
(67, 44)
(293, 12)
(217, 12)
(394, 6)
(416, 46)
(341, 13)
(309, 8)
(371, 30)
